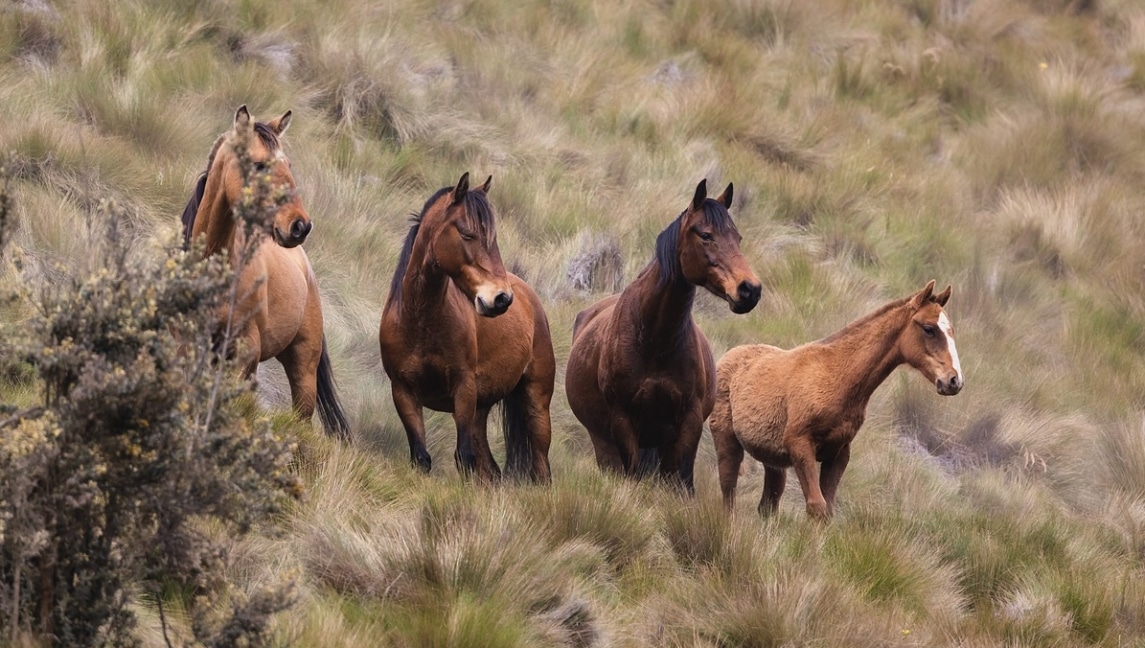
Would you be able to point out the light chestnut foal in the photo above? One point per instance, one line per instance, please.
(805, 405)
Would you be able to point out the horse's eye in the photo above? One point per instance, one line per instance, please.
(928, 330)
(706, 236)
(261, 166)
(466, 234)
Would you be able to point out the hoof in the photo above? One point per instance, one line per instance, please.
(421, 459)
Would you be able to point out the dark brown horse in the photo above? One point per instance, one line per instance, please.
(278, 314)
(640, 372)
(799, 407)
(459, 334)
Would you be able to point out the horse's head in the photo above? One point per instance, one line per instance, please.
(464, 245)
(291, 222)
(709, 251)
(928, 341)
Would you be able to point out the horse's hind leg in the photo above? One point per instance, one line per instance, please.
(774, 481)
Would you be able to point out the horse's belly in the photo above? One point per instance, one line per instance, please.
(759, 424)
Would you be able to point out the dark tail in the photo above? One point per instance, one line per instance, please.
(329, 410)
(518, 443)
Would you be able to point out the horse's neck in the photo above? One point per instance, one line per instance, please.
(424, 286)
(214, 221)
(867, 352)
(660, 313)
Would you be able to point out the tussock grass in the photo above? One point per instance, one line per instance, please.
(993, 145)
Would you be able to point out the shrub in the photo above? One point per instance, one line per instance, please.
(138, 441)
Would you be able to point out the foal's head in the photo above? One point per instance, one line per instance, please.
(464, 244)
(708, 254)
(928, 341)
(291, 222)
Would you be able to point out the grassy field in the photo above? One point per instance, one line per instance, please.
(996, 145)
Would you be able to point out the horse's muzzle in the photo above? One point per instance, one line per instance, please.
(299, 230)
(949, 387)
(501, 302)
(747, 296)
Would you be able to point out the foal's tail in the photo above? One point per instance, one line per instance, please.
(518, 442)
(329, 409)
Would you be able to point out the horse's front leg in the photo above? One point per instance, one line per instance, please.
(831, 473)
(625, 442)
(679, 457)
(486, 465)
(806, 469)
(409, 411)
(468, 455)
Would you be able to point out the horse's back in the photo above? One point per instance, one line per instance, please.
(591, 313)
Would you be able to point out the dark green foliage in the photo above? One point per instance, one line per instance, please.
(137, 440)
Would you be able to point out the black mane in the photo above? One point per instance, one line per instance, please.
(269, 139)
(668, 242)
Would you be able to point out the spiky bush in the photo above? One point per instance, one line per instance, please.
(140, 435)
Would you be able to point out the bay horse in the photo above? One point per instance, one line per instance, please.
(805, 405)
(278, 313)
(640, 376)
(459, 334)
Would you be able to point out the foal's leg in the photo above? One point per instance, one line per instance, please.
(409, 411)
(806, 469)
(830, 473)
(729, 450)
(486, 464)
(774, 481)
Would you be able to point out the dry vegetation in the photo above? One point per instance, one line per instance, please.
(998, 145)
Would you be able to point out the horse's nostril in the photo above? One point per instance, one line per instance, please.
(299, 228)
(502, 300)
(748, 290)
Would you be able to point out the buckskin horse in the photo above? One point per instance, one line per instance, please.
(799, 407)
(278, 313)
(459, 334)
(640, 376)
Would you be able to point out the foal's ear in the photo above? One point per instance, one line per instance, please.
(923, 296)
(726, 197)
(488, 183)
(701, 195)
(280, 125)
(462, 188)
(242, 119)
(941, 297)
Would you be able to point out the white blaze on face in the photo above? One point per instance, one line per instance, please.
(944, 326)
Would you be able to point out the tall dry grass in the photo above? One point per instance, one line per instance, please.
(994, 145)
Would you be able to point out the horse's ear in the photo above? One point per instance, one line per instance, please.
(923, 296)
(242, 119)
(942, 297)
(488, 183)
(280, 125)
(461, 189)
(726, 197)
(701, 195)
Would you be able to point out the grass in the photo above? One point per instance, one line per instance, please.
(873, 146)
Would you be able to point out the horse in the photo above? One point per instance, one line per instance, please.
(641, 376)
(278, 313)
(460, 334)
(805, 405)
